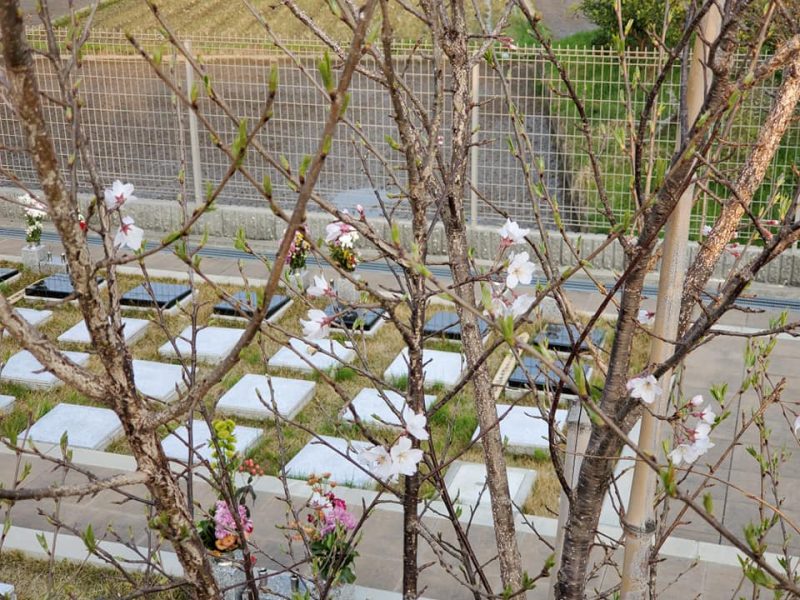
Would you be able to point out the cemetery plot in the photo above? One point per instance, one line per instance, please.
(253, 397)
(331, 355)
(8, 275)
(133, 330)
(441, 367)
(247, 303)
(166, 296)
(85, 426)
(159, 381)
(466, 484)
(53, 288)
(23, 369)
(562, 338)
(373, 409)
(211, 344)
(523, 428)
(360, 320)
(35, 317)
(176, 444)
(318, 456)
(447, 325)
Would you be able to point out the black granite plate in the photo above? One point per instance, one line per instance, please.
(54, 287)
(166, 295)
(447, 324)
(248, 303)
(360, 318)
(543, 377)
(560, 338)
(6, 274)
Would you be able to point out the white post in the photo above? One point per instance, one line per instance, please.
(578, 432)
(194, 136)
(474, 165)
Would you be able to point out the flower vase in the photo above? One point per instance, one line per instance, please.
(299, 280)
(34, 255)
(346, 290)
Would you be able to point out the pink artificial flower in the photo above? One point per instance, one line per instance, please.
(224, 524)
(338, 515)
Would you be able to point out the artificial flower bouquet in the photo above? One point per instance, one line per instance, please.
(35, 212)
(298, 251)
(218, 530)
(341, 239)
(329, 530)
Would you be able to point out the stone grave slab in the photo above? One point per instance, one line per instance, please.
(8, 275)
(22, 368)
(317, 458)
(359, 320)
(166, 296)
(133, 330)
(176, 444)
(441, 367)
(160, 381)
(447, 325)
(287, 357)
(372, 408)
(86, 426)
(6, 402)
(35, 317)
(523, 428)
(561, 337)
(7, 592)
(252, 397)
(623, 476)
(212, 344)
(54, 288)
(466, 481)
(243, 311)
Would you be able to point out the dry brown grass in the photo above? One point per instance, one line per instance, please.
(75, 581)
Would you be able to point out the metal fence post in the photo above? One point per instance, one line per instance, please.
(194, 137)
(474, 165)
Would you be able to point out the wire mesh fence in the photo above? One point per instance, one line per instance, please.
(140, 133)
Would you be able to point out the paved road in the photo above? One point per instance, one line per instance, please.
(561, 17)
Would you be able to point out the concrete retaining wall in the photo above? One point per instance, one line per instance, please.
(159, 217)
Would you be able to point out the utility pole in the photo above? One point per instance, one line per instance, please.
(639, 522)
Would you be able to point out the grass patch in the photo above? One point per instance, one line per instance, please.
(76, 581)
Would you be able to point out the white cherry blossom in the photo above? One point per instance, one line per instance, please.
(645, 317)
(118, 194)
(415, 423)
(321, 287)
(405, 458)
(379, 461)
(706, 229)
(318, 324)
(129, 235)
(796, 424)
(644, 388)
(697, 400)
(334, 231)
(511, 233)
(707, 415)
(520, 270)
